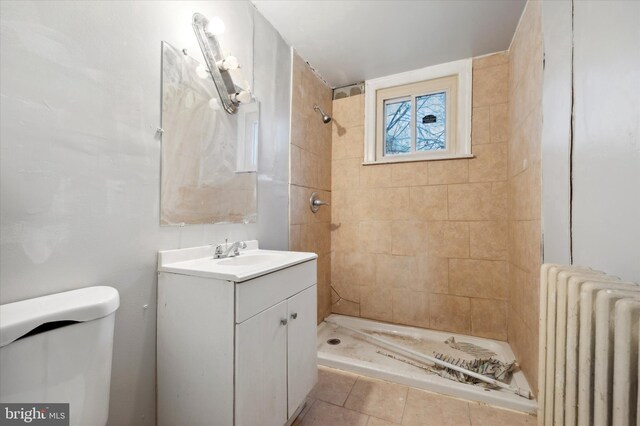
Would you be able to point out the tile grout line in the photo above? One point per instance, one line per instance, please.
(344, 404)
(404, 408)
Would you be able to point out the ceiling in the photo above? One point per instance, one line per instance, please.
(351, 41)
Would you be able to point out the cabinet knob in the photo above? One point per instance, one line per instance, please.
(294, 315)
(283, 321)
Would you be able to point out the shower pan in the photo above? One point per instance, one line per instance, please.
(338, 347)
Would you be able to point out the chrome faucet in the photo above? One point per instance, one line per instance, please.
(230, 250)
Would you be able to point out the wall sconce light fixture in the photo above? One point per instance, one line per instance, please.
(219, 66)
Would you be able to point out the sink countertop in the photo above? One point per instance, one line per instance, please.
(198, 261)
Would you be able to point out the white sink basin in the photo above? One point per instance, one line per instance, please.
(250, 263)
(250, 259)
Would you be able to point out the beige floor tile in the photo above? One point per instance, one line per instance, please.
(374, 421)
(333, 385)
(425, 408)
(325, 414)
(482, 415)
(378, 398)
(308, 403)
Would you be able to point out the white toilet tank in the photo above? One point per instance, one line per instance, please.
(58, 348)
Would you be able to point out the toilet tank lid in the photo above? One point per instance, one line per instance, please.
(85, 304)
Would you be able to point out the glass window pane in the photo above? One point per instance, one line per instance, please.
(397, 122)
(430, 122)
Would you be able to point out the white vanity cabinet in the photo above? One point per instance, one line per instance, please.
(236, 352)
(276, 361)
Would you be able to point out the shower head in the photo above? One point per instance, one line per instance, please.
(325, 117)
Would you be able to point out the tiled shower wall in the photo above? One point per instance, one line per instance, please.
(524, 248)
(311, 172)
(425, 243)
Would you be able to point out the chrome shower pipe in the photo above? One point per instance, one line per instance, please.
(326, 118)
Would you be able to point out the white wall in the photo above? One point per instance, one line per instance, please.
(601, 75)
(80, 161)
(556, 131)
(606, 154)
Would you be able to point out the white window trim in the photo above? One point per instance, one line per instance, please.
(461, 68)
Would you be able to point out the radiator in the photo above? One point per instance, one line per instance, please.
(589, 345)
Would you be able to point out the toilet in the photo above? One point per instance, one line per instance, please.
(57, 349)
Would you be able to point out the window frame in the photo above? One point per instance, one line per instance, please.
(412, 84)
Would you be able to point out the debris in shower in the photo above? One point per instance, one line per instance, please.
(446, 368)
(493, 368)
(411, 363)
(333, 341)
(471, 349)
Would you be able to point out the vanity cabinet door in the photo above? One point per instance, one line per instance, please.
(302, 351)
(261, 368)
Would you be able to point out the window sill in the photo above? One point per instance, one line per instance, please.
(414, 159)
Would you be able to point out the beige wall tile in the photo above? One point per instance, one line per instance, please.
(426, 408)
(408, 238)
(524, 342)
(321, 241)
(300, 213)
(428, 202)
(524, 195)
(348, 143)
(310, 169)
(375, 236)
(450, 313)
(478, 278)
(525, 244)
(352, 269)
(349, 112)
(295, 244)
(491, 60)
(478, 201)
(499, 122)
(489, 318)
(346, 307)
(378, 398)
(296, 165)
(344, 237)
(411, 308)
(489, 164)
(343, 205)
(384, 204)
(448, 239)
(525, 122)
(376, 303)
(448, 171)
(345, 174)
(409, 219)
(396, 272)
(488, 240)
(491, 85)
(480, 125)
(376, 176)
(324, 173)
(433, 273)
(410, 174)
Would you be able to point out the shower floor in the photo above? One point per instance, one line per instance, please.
(358, 355)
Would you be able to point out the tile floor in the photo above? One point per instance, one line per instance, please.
(346, 399)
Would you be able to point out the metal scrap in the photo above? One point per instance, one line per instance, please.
(474, 350)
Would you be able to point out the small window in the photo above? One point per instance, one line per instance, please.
(419, 120)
